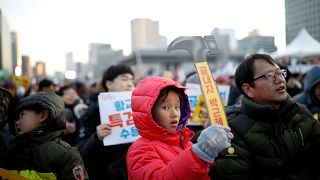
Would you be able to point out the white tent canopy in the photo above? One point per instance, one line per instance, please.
(301, 46)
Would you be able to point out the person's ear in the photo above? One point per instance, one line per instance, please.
(109, 84)
(44, 116)
(248, 89)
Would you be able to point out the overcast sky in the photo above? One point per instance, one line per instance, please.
(49, 29)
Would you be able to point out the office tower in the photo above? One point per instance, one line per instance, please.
(80, 70)
(226, 39)
(254, 43)
(40, 70)
(145, 35)
(5, 45)
(69, 62)
(16, 55)
(101, 56)
(302, 14)
(25, 66)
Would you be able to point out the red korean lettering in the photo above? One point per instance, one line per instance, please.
(129, 119)
(115, 120)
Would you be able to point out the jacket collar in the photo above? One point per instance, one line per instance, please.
(287, 109)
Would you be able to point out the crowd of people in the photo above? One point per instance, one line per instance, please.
(273, 130)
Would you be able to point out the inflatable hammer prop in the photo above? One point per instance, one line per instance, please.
(199, 47)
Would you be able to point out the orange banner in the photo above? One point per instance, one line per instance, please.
(210, 92)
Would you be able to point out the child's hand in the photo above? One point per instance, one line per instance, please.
(211, 141)
(103, 130)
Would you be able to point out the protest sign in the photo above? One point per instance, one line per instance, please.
(197, 104)
(115, 110)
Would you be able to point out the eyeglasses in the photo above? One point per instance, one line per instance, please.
(271, 76)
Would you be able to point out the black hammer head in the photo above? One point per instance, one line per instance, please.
(197, 46)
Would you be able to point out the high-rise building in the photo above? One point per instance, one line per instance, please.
(5, 45)
(69, 62)
(101, 56)
(80, 70)
(225, 39)
(145, 35)
(25, 66)
(40, 69)
(302, 14)
(254, 43)
(16, 55)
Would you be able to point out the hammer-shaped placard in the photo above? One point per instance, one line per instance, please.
(199, 47)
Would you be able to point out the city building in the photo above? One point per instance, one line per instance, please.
(145, 35)
(40, 70)
(16, 55)
(69, 62)
(101, 56)
(302, 14)
(158, 62)
(26, 69)
(255, 42)
(5, 45)
(80, 71)
(225, 38)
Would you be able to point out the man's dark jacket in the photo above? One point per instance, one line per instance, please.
(270, 143)
(102, 162)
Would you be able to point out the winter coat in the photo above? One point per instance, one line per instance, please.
(41, 153)
(101, 162)
(6, 104)
(271, 143)
(73, 112)
(160, 153)
(306, 97)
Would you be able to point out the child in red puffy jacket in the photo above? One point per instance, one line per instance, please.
(164, 151)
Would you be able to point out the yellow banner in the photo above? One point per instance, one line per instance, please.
(210, 91)
(22, 81)
(5, 174)
(167, 74)
(199, 114)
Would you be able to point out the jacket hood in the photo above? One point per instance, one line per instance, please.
(312, 78)
(305, 97)
(143, 99)
(49, 101)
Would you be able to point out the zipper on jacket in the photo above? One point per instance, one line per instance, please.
(274, 148)
(181, 140)
(298, 135)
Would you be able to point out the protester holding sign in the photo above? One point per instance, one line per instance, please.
(104, 162)
(275, 137)
(164, 151)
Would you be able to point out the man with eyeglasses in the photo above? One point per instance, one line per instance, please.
(275, 137)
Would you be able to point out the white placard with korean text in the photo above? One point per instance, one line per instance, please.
(115, 110)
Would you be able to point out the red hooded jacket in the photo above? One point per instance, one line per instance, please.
(160, 153)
